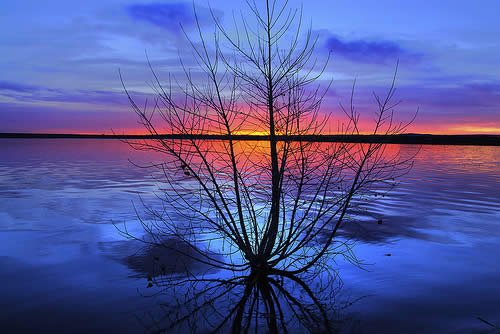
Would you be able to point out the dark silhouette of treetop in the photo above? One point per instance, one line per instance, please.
(273, 205)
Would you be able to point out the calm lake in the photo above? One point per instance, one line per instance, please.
(432, 266)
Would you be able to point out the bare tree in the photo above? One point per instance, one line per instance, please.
(271, 205)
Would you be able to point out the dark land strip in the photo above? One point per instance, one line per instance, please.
(423, 139)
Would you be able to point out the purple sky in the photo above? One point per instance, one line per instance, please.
(59, 59)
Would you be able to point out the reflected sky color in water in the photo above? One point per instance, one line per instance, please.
(64, 265)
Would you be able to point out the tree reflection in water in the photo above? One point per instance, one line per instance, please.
(258, 302)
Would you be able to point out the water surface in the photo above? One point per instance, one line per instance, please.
(65, 268)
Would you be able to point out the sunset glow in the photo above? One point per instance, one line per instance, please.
(60, 67)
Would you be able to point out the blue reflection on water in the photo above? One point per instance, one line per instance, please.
(64, 265)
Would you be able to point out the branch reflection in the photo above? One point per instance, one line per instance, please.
(260, 301)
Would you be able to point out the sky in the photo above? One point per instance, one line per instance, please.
(59, 59)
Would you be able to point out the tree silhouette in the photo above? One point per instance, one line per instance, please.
(272, 205)
(255, 303)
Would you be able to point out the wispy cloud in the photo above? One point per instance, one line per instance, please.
(17, 87)
(24, 93)
(32, 108)
(478, 98)
(171, 16)
(64, 119)
(369, 51)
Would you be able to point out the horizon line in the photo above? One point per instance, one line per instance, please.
(405, 138)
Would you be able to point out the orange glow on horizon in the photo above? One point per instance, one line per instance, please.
(476, 129)
(433, 129)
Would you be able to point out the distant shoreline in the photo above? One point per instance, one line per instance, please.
(422, 139)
